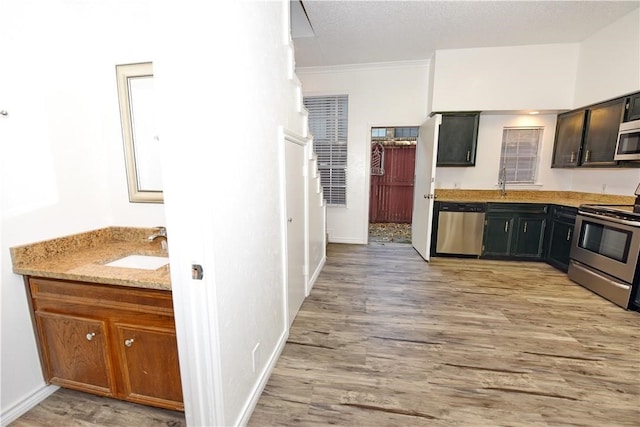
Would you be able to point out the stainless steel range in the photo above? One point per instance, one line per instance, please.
(605, 251)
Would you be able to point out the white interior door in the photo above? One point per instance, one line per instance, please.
(295, 184)
(424, 186)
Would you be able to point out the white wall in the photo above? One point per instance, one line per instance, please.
(609, 62)
(379, 95)
(604, 66)
(317, 221)
(64, 173)
(496, 80)
(622, 182)
(536, 77)
(223, 195)
(62, 160)
(485, 174)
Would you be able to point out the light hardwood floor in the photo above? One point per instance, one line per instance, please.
(70, 408)
(386, 339)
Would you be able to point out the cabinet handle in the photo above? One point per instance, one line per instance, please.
(573, 157)
(90, 336)
(525, 226)
(506, 226)
(587, 156)
(128, 342)
(568, 235)
(468, 156)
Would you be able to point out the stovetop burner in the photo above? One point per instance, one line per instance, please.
(626, 212)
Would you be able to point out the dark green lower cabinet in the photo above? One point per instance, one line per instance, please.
(528, 231)
(497, 235)
(560, 245)
(530, 237)
(563, 220)
(515, 231)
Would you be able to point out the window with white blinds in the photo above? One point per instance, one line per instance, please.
(519, 156)
(328, 126)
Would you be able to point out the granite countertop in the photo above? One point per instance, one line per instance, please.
(565, 198)
(81, 257)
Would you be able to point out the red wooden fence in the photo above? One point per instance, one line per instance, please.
(391, 197)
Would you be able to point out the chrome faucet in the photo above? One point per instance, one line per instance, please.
(161, 232)
(503, 182)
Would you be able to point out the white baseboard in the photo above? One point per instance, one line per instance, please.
(347, 240)
(315, 274)
(19, 409)
(246, 413)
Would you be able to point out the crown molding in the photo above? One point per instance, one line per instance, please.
(423, 63)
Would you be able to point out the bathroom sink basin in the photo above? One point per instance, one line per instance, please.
(144, 262)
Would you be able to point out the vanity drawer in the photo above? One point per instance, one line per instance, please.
(101, 296)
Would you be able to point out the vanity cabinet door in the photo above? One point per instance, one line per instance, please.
(149, 364)
(108, 340)
(75, 352)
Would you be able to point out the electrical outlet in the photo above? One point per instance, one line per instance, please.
(255, 354)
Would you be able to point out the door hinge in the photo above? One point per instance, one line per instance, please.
(197, 273)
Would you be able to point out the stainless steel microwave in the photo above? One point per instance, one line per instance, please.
(628, 146)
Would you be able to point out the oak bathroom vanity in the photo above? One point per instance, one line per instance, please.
(104, 329)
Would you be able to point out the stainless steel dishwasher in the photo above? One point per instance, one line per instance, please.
(460, 228)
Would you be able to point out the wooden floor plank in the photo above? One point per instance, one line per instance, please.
(386, 339)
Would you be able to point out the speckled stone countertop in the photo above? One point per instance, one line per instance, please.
(81, 257)
(565, 198)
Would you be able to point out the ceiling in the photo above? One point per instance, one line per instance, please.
(358, 32)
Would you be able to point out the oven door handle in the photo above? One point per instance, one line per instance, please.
(610, 218)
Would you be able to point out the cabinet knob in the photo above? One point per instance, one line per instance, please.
(290, 220)
(129, 342)
(90, 336)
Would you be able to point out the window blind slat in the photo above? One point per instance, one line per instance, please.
(519, 154)
(328, 125)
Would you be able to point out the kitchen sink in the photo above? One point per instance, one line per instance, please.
(144, 262)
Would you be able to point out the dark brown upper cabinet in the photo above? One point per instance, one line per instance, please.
(569, 130)
(601, 133)
(457, 140)
(586, 137)
(633, 108)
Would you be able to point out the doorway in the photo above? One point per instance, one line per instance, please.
(391, 191)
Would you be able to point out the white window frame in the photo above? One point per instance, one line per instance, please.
(328, 124)
(519, 170)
